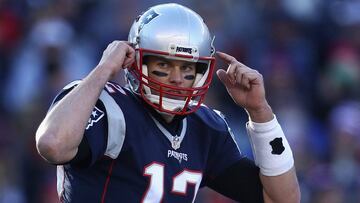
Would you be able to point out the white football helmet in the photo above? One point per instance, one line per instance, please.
(174, 32)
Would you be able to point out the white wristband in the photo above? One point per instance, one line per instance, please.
(271, 149)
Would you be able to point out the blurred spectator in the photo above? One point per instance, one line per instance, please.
(49, 57)
(10, 33)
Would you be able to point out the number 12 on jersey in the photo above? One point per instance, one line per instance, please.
(155, 191)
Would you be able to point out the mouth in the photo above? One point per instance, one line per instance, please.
(174, 94)
(171, 93)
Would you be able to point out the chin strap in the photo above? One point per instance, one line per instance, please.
(167, 103)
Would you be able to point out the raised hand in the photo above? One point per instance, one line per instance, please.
(118, 55)
(246, 87)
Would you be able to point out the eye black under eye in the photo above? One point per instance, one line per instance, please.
(189, 77)
(159, 73)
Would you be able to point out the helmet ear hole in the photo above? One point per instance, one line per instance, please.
(201, 67)
(202, 72)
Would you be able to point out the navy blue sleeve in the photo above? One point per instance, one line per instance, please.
(224, 151)
(240, 182)
(229, 172)
(96, 132)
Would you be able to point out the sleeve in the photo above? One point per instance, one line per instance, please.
(231, 173)
(104, 133)
(240, 182)
(224, 150)
(95, 135)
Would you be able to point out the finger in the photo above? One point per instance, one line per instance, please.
(226, 57)
(109, 46)
(128, 62)
(232, 71)
(233, 64)
(245, 81)
(251, 78)
(255, 78)
(128, 43)
(224, 78)
(131, 44)
(113, 45)
(240, 73)
(130, 53)
(239, 76)
(231, 74)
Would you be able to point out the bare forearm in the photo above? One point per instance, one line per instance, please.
(64, 125)
(60, 133)
(282, 188)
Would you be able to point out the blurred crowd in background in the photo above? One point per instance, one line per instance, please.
(307, 50)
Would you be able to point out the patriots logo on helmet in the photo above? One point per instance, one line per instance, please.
(147, 18)
(95, 116)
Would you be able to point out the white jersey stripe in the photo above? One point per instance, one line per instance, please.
(60, 176)
(228, 127)
(116, 125)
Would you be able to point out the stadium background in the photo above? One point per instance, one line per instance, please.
(307, 50)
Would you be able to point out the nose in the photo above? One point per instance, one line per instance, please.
(175, 77)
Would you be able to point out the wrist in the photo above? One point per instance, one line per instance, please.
(261, 115)
(98, 77)
(104, 71)
(270, 147)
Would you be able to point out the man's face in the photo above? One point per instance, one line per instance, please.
(171, 72)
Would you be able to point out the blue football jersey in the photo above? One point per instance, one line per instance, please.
(136, 157)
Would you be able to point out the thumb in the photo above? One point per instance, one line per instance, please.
(224, 78)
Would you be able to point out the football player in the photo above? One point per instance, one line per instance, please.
(154, 140)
